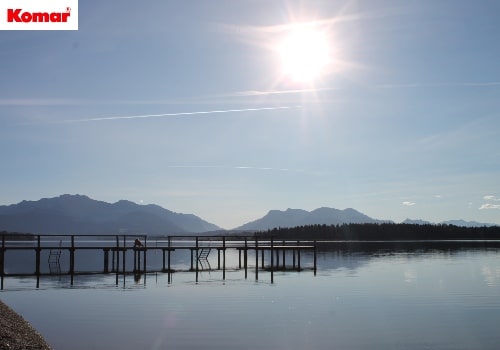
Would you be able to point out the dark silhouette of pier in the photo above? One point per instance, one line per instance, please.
(114, 250)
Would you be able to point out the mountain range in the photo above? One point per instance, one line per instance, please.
(79, 214)
(462, 223)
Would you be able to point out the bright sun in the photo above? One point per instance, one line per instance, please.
(305, 54)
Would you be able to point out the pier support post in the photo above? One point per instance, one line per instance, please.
(246, 258)
(284, 252)
(145, 251)
(106, 260)
(72, 259)
(196, 259)
(272, 260)
(137, 258)
(2, 262)
(2, 257)
(124, 251)
(223, 257)
(277, 258)
(315, 258)
(256, 259)
(262, 258)
(117, 250)
(298, 259)
(38, 250)
(168, 260)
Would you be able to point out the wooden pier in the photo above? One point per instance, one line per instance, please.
(114, 254)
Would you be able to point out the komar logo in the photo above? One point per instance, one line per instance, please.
(39, 15)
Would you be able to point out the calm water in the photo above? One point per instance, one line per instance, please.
(378, 299)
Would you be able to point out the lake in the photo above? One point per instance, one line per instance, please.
(418, 297)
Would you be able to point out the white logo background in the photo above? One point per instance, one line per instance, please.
(48, 6)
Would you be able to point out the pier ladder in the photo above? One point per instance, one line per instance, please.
(203, 258)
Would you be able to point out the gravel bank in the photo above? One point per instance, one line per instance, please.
(17, 334)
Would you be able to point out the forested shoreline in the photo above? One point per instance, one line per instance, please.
(383, 232)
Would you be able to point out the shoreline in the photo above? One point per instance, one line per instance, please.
(16, 333)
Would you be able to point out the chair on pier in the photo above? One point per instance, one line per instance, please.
(203, 258)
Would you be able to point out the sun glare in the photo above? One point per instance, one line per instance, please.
(305, 54)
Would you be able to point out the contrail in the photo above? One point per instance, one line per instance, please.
(437, 85)
(179, 114)
(232, 167)
(278, 92)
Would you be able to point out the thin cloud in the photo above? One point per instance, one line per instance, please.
(489, 206)
(40, 101)
(409, 204)
(491, 198)
(177, 114)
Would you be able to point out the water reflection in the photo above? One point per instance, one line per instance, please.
(377, 298)
(491, 275)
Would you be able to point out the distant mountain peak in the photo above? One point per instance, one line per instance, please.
(299, 217)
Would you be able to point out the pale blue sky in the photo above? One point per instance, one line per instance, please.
(406, 122)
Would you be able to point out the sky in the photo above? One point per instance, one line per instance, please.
(196, 106)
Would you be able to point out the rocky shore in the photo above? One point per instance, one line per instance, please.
(17, 334)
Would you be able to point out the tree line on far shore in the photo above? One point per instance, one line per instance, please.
(383, 232)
